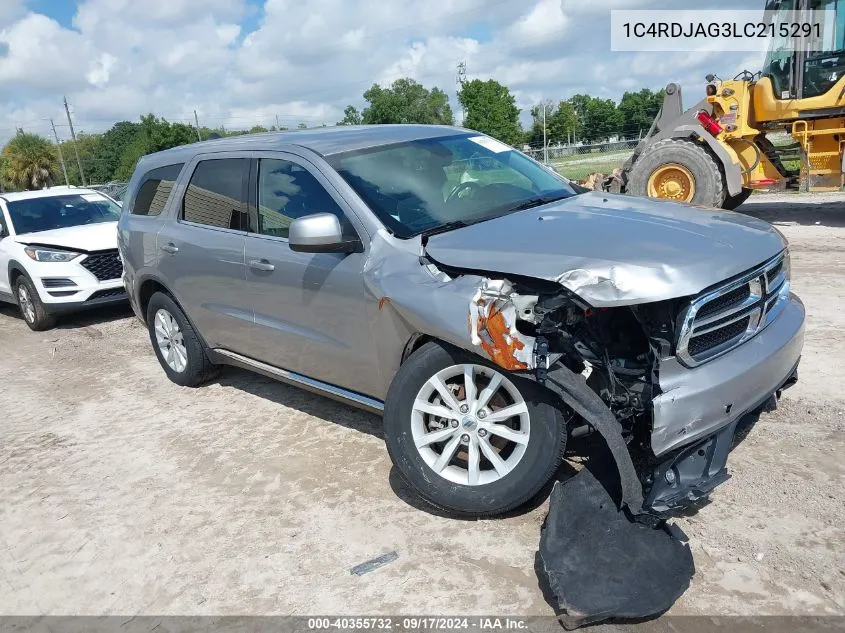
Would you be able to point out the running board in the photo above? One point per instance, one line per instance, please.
(298, 380)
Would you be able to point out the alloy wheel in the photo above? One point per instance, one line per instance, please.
(170, 341)
(26, 305)
(470, 424)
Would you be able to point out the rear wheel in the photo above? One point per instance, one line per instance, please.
(466, 436)
(177, 346)
(679, 170)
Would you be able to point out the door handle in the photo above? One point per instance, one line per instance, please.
(261, 264)
(170, 247)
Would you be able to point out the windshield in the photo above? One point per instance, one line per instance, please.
(61, 212)
(822, 57)
(431, 184)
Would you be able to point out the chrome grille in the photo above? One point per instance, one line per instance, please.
(721, 319)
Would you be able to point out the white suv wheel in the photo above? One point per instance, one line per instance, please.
(25, 303)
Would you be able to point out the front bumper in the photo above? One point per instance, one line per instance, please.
(695, 403)
(69, 287)
(99, 299)
(688, 475)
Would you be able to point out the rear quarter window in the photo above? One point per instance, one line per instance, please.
(154, 190)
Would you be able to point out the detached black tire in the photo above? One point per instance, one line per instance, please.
(471, 464)
(657, 172)
(732, 202)
(32, 308)
(176, 344)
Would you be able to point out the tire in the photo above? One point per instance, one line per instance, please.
(32, 308)
(700, 163)
(173, 337)
(526, 467)
(732, 202)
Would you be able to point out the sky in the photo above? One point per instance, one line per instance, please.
(241, 63)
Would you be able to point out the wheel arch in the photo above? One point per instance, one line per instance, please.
(151, 284)
(16, 269)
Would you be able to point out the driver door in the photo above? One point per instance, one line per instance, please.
(310, 308)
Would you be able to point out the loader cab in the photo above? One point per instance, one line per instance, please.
(801, 68)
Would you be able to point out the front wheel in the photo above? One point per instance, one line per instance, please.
(680, 170)
(469, 438)
(32, 308)
(732, 202)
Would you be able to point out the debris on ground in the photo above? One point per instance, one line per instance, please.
(600, 565)
(374, 563)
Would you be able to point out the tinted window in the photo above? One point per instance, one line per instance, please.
(155, 190)
(60, 212)
(287, 191)
(215, 194)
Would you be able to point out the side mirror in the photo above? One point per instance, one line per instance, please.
(320, 233)
(3, 231)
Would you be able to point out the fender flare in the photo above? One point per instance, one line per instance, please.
(15, 266)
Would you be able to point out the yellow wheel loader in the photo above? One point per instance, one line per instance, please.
(717, 152)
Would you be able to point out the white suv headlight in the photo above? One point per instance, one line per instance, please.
(50, 255)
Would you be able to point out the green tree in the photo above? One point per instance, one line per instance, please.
(257, 129)
(406, 101)
(598, 119)
(113, 143)
(351, 116)
(638, 110)
(561, 124)
(154, 135)
(28, 161)
(89, 146)
(490, 108)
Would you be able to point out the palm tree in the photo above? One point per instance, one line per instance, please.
(27, 162)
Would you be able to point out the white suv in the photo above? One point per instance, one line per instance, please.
(58, 252)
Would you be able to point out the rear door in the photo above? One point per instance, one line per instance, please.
(201, 250)
(310, 308)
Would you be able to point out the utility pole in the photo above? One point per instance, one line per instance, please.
(61, 158)
(197, 121)
(545, 145)
(278, 127)
(460, 80)
(75, 150)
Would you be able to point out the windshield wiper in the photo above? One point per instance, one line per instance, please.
(535, 202)
(443, 228)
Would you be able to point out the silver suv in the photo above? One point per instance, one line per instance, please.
(488, 307)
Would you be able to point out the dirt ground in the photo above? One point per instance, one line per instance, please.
(121, 493)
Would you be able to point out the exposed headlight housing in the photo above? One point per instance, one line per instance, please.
(49, 255)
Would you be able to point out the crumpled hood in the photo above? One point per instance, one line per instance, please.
(612, 249)
(87, 237)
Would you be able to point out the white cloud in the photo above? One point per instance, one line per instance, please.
(306, 60)
(544, 21)
(11, 10)
(100, 69)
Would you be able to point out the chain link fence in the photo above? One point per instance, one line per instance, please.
(577, 162)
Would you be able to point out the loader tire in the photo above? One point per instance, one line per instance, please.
(679, 170)
(732, 202)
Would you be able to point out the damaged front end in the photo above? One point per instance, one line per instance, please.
(614, 367)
